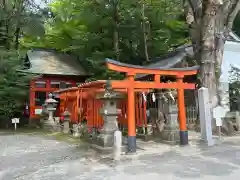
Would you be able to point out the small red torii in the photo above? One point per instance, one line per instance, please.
(131, 85)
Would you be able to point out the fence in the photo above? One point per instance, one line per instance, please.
(191, 116)
(190, 102)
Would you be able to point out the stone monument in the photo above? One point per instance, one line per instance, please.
(104, 142)
(205, 116)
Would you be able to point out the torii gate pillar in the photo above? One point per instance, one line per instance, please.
(182, 114)
(131, 116)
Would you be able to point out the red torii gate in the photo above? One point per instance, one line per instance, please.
(130, 84)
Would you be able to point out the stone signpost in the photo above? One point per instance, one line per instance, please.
(205, 116)
(117, 145)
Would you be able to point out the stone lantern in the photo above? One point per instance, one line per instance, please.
(105, 140)
(66, 119)
(170, 133)
(50, 104)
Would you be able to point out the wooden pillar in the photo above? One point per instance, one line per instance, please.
(131, 116)
(182, 113)
(31, 100)
(77, 105)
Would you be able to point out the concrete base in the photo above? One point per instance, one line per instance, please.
(48, 126)
(107, 150)
(170, 136)
(104, 140)
(132, 145)
(183, 137)
(99, 144)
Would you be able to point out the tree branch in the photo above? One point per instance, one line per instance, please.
(216, 2)
(194, 8)
(232, 14)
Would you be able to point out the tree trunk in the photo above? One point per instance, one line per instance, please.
(144, 32)
(6, 43)
(17, 34)
(116, 30)
(207, 55)
(20, 9)
(209, 25)
(210, 22)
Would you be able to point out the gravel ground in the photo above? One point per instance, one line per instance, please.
(24, 157)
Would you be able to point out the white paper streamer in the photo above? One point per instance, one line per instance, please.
(153, 97)
(144, 97)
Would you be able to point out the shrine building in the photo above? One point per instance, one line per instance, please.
(53, 71)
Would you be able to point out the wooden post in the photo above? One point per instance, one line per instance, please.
(182, 113)
(77, 112)
(131, 116)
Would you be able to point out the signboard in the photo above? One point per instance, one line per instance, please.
(218, 113)
(38, 111)
(15, 120)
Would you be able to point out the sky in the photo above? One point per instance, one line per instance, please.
(41, 3)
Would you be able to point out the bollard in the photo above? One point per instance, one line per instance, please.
(117, 145)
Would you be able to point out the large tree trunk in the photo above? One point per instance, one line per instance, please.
(210, 22)
(207, 52)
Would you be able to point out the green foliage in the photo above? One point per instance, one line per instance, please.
(236, 25)
(16, 18)
(86, 28)
(13, 85)
(234, 88)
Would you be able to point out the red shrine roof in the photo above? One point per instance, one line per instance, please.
(51, 62)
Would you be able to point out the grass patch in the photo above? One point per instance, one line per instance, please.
(41, 132)
(65, 137)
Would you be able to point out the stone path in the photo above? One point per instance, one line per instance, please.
(25, 157)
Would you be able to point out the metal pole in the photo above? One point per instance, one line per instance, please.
(219, 132)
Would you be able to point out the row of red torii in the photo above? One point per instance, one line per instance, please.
(78, 96)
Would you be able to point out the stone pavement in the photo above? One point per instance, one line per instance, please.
(25, 157)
